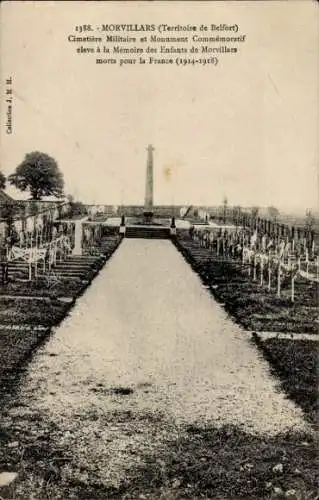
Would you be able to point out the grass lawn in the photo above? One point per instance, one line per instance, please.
(296, 363)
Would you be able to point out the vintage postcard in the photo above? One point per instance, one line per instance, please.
(159, 237)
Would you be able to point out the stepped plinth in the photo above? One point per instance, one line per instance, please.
(147, 231)
(147, 217)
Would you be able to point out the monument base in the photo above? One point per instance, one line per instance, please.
(147, 217)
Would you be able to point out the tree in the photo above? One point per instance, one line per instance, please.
(237, 214)
(39, 174)
(309, 221)
(309, 227)
(70, 198)
(2, 181)
(8, 213)
(225, 206)
(254, 212)
(273, 213)
(77, 208)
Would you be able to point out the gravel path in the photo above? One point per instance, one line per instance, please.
(145, 351)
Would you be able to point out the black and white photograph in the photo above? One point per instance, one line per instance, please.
(159, 250)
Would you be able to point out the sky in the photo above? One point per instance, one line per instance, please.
(246, 129)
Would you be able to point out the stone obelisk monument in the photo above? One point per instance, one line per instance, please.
(149, 186)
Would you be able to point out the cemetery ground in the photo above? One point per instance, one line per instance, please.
(174, 461)
(255, 308)
(30, 309)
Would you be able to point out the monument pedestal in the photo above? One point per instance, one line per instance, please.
(147, 217)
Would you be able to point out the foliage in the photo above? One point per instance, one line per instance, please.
(38, 173)
(237, 213)
(32, 208)
(70, 198)
(77, 208)
(309, 221)
(2, 181)
(224, 211)
(273, 212)
(255, 211)
(7, 212)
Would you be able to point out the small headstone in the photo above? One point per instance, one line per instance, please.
(278, 468)
(278, 491)
(292, 494)
(13, 444)
(65, 300)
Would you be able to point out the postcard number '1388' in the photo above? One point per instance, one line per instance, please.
(83, 27)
